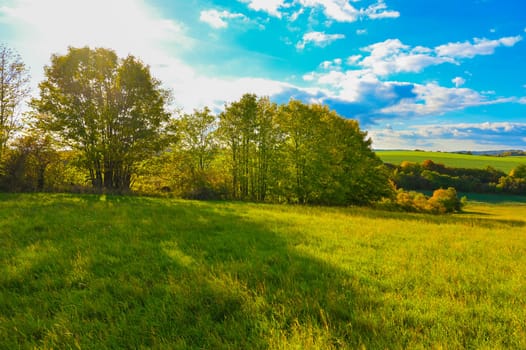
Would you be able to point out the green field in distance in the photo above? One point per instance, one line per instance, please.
(453, 160)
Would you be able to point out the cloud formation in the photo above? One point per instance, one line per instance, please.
(380, 11)
(392, 56)
(363, 92)
(483, 46)
(433, 99)
(458, 81)
(335, 10)
(217, 19)
(318, 38)
(272, 7)
(453, 137)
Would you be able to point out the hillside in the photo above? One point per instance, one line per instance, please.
(131, 272)
(455, 160)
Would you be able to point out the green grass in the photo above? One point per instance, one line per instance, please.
(493, 198)
(131, 272)
(505, 164)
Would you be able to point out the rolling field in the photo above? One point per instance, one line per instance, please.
(132, 272)
(505, 164)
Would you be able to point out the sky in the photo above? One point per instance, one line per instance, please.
(442, 75)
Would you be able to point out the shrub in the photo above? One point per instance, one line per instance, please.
(442, 201)
(445, 201)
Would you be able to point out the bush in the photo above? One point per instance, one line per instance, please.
(442, 201)
(445, 201)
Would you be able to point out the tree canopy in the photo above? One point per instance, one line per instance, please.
(110, 109)
(14, 88)
(299, 153)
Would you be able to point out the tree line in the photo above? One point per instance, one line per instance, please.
(429, 176)
(102, 123)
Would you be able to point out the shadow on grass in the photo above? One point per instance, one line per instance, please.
(129, 272)
(174, 275)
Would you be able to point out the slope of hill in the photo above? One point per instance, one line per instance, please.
(455, 160)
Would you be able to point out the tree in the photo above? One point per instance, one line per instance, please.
(236, 127)
(266, 141)
(196, 149)
(301, 147)
(196, 136)
(110, 109)
(14, 88)
(28, 162)
(328, 159)
(360, 174)
(519, 172)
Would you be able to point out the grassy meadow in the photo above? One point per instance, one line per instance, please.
(87, 271)
(505, 164)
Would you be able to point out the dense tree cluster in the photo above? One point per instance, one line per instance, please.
(256, 150)
(430, 176)
(101, 123)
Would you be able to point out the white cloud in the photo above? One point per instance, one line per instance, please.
(522, 100)
(319, 39)
(361, 31)
(337, 10)
(392, 56)
(334, 10)
(343, 11)
(352, 60)
(478, 47)
(309, 77)
(432, 99)
(363, 89)
(217, 19)
(380, 11)
(458, 81)
(334, 64)
(294, 16)
(364, 92)
(356, 86)
(272, 7)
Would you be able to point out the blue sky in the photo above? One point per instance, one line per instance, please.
(436, 74)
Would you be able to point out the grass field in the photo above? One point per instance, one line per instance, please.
(505, 164)
(131, 272)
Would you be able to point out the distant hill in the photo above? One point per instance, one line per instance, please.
(456, 160)
(498, 153)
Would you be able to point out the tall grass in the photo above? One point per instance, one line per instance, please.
(130, 272)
